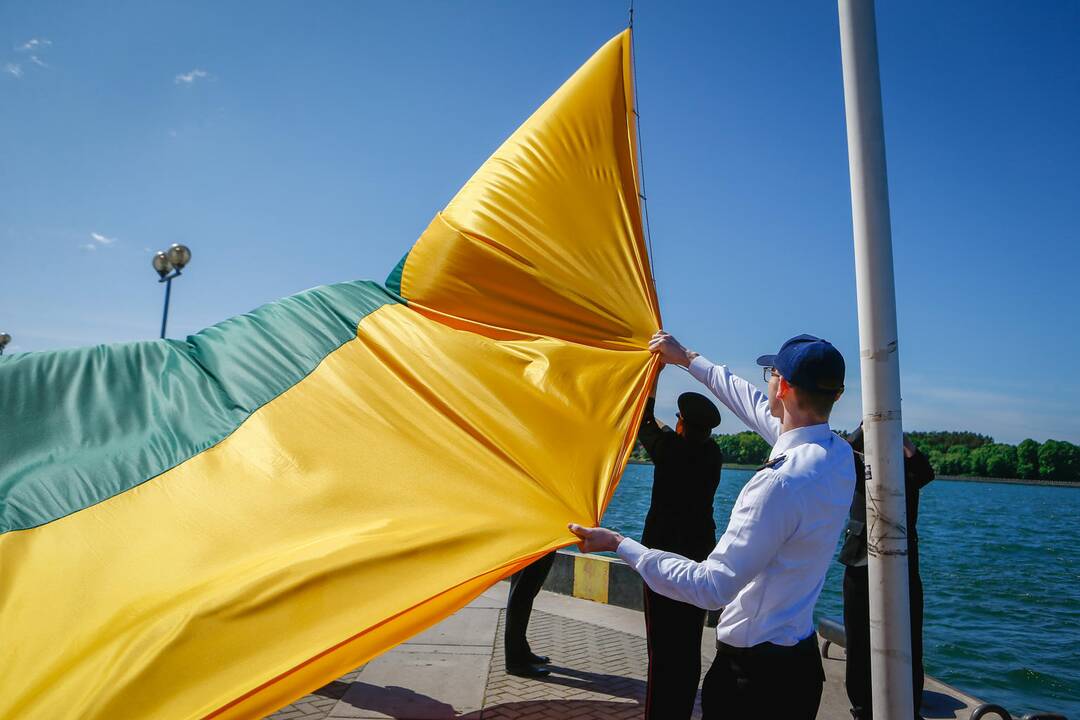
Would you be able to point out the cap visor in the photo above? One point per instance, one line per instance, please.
(767, 361)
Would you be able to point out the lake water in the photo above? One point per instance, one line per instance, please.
(1001, 570)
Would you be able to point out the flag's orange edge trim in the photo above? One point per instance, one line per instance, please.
(501, 573)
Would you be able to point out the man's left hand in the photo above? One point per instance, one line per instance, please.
(596, 539)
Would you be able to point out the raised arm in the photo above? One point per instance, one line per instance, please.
(747, 402)
(652, 435)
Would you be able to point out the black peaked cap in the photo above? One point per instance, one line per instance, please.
(698, 410)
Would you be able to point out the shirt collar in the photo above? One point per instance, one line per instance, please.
(800, 436)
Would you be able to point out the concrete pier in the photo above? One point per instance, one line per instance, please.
(456, 670)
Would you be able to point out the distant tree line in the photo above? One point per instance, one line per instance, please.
(745, 448)
(639, 455)
(966, 453)
(951, 453)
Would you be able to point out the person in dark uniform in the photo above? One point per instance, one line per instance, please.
(917, 473)
(524, 586)
(680, 519)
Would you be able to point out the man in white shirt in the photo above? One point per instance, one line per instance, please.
(768, 568)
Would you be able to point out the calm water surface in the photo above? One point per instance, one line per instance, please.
(1001, 570)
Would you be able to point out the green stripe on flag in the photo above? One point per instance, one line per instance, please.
(80, 426)
(393, 280)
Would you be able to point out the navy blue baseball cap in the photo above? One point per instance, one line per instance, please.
(808, 362)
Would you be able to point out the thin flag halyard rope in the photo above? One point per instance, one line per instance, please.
(641, 152)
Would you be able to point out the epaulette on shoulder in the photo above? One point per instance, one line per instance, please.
(773, 464)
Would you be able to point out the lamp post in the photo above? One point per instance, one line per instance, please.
(4, 340)
(168, 264)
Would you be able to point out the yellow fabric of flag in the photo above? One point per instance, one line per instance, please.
(444, 446)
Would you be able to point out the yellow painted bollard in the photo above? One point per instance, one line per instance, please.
(591, 578)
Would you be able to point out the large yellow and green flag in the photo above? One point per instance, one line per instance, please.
(215, 526)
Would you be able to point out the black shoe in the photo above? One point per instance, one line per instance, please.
(527, 670)
(537, 659)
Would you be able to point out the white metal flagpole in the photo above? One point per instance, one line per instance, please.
(890, 619)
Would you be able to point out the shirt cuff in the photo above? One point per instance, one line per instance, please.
(631, 551)
(699, 367)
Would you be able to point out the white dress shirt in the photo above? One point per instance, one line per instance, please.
(769, 567)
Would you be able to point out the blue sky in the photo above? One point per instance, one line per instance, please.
(295, 144)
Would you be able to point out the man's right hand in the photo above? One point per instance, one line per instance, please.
(670, 351)
(596, 539)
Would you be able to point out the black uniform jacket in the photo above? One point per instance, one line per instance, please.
(685, 477)
(917, 474)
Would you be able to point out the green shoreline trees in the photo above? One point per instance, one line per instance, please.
(951, 453)
(965, 453)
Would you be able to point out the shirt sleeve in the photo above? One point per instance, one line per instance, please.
(760, 523)
(740, 397)
(651, 436)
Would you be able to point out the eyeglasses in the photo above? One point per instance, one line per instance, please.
(768, 372)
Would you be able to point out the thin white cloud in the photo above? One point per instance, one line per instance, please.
(88, 246)
(99, 238)
(189, 78)
(34, 44)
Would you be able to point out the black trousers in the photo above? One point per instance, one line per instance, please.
(673, 630)
(524, 586)
(857, 629)
(764, 681)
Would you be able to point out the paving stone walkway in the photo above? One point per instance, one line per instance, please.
(456, 670)
(596, 673)
(318, 705)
